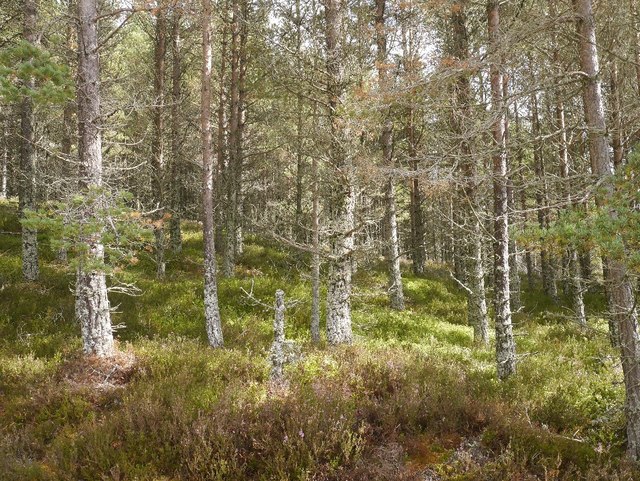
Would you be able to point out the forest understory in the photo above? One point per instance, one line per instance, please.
(410, 399)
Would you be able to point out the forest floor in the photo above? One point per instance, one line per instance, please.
(411, 399)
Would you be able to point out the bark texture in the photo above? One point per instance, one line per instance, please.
(211, 310)
(505, 344)
(92, 303)
(396, 294)
(157, 143)
(27, 184)
(622, 302)
(177, 178)
(277, 348)
(476, 296)
(342, 195)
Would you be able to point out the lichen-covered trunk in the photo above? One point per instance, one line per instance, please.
(213, 323)
(622, 301)
(342, 196)
(505, 344)
(277, 347)
(92, 303)
(4, 160)
(396, 293)
(27, 176)
(234, 236)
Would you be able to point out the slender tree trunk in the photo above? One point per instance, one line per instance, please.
(636, 40)
(342, 196)
(221, 147)
(177, 167)
(238, 238)
(211, 310)
(622, 297)
(234, 121)
(157, 143)
(27, 184)
(616, 118)
(92, 302)
(315, 260)
(577, 293)
(514, 257)
(476, 296)
(505, 344)
(4, 161)
(415, 207)
(300, 167)
(542, 202)
(396, 294)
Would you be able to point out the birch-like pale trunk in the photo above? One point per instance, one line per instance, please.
(213, 323)
(342, 195)
(277, 347)
(622, 302)
(505, 344)
(27, 175)
(92, 302)
(4, 160)
(396, 293)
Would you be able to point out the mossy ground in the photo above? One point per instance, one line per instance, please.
(397, 404)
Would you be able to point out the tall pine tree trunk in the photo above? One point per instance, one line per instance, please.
(342, 195)
(92, 302)
(396, 294)
(622, 302)
(211, 310)
(157, 143)
(177, 187)
(542, 203)
(505, 344)
(27, 184)
(476, 296)
(575, 277)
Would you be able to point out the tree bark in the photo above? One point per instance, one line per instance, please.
(177, 168)
(157, 142)
(505, 344)
(396, 294)
(616, 118)
(4, 160)
(341, 196)
(514, 256)
(27, 184)
(542, 203)
(211, 310)
(92, 302)
(622, 299)
(476, 296)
